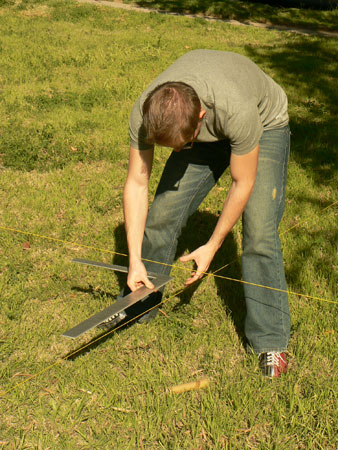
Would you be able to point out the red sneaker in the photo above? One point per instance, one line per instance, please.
(273, 364)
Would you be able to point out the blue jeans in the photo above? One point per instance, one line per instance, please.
(187, 178)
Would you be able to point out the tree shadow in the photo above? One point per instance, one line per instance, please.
(323, 262)
(266, 11)
(303, 4)
(203, 6)
(308, 66)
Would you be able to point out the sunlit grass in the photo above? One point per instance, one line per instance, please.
(70, 74)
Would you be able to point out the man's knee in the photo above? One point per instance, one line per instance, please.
(163, 213)
(259, 236)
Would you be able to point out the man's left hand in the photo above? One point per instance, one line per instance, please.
(202, 257)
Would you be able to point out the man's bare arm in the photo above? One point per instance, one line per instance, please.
(135, 203)
(243, 171)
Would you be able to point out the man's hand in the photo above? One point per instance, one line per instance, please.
(202, 257)
(137, 276)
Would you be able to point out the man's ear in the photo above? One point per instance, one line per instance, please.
(202, 113)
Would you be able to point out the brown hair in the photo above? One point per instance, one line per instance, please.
(171, 114)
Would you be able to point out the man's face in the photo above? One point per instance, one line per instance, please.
(189, 145)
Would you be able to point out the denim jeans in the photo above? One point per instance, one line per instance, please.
(187, 178)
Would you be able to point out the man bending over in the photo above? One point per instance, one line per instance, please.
(214, 109)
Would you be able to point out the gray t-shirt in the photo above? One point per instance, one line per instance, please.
(240, 100)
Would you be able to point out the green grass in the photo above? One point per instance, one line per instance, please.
(248, 11)
(69, 76)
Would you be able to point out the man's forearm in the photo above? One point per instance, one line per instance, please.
(243, 172)
(135, 203)
(234, 205)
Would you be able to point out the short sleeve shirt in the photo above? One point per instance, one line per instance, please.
(240, 100)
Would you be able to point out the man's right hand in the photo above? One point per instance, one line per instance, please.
(137, 276)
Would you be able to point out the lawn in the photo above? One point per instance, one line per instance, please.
(69, 76)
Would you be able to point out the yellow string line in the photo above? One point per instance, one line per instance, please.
(266, 287)
(123, 254)
(76, 244)
(61, 240)
(273, 289)
(223, 267)
(305, 220)
(172, 265)
(280, 234)
(213, 274)
(87, 345)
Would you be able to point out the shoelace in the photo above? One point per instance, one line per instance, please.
(272, 358)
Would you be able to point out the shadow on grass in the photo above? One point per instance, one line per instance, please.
(94, 292)
(96, 341)
(323, 263)
(230, 293)
(304, 4)
(309, 67)
(261, 11)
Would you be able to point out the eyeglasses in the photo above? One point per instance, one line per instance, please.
(188, 146)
